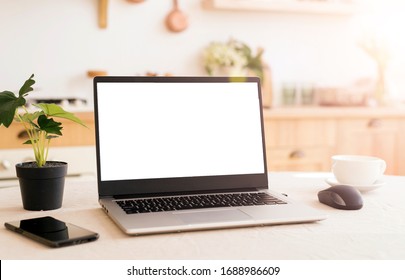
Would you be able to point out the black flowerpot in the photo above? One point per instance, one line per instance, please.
(42, 187)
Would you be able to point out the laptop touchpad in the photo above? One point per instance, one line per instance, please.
(202, 217)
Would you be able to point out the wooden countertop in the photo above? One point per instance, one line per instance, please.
(316, 112)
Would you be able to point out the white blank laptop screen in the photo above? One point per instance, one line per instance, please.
(163, 130)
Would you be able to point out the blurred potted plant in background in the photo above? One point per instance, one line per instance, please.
(41, 181)
(379, 52)
(235, 58)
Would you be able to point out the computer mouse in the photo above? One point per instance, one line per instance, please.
(341, 197)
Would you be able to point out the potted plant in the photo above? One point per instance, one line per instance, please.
(235, 58)
(41, 181)
(232, 58)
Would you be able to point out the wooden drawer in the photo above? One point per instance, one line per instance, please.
(304, 133)
(298, 159)
(401, 153)
(73, 134)
(379, 137)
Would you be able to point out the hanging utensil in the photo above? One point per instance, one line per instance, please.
(176, 20)
(102, 13)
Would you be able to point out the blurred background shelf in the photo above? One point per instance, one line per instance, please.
(326, 7)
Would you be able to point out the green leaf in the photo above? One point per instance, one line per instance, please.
(49, 125)
(27, 86)
(54, 110)
(30, 117)
(8, 106)
(9, 102)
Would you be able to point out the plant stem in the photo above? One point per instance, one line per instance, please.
(28, 129)
(38, 140)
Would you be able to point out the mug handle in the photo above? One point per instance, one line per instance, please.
(383, 166)
(333, 165)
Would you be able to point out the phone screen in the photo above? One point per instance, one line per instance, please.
(52, 232)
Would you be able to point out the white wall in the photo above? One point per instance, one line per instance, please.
(60, 41)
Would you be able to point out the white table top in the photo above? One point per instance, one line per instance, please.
(377, 231)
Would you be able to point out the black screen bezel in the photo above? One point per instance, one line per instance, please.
(183, 184)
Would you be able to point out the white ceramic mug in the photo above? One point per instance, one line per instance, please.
(357, 170)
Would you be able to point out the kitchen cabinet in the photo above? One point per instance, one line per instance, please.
(371, 136)
(73, 134)
(401, 144)
(304, 139)
(299, 144)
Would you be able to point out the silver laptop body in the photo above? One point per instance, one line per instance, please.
(166, 137)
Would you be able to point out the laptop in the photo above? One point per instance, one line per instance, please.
(185, 153)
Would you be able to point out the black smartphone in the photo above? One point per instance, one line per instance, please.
(52, 232)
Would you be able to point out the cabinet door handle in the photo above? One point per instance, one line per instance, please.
(22, 135)
(5, 165)
(297, 154)
(375, 123)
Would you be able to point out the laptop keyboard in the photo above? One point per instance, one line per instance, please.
(133, 206)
